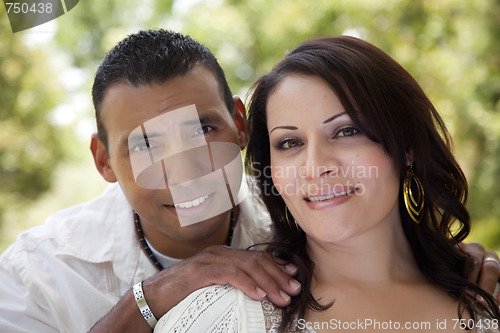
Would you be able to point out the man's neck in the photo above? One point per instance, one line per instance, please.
(193, 238)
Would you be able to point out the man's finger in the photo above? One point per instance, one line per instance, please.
(490, 272)
(269, 274)
(270, 277)
(477, 252)
(254, 272)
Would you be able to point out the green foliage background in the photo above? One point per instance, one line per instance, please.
(450, 46)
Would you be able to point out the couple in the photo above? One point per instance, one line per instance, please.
(363, 194)
(360, 134)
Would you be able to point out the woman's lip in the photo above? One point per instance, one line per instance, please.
(328, 196)
(334, 201)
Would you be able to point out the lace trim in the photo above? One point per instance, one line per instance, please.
(272, 318)
(202, 303)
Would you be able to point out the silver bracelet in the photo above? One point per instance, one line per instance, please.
(143, 305)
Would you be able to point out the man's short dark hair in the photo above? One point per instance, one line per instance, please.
(153, 57)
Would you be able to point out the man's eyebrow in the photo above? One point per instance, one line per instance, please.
(203, 120)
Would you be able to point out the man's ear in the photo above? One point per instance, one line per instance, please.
(101, 159)
(240, 119)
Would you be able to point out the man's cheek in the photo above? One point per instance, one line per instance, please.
(204, 179)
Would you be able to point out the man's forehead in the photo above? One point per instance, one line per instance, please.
(198, 86)
(199, 76)
(126, 104)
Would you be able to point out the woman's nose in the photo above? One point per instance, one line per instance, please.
(319, 162)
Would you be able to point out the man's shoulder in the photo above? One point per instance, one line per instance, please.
(59, 227)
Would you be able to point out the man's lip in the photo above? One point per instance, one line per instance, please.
(326, 195)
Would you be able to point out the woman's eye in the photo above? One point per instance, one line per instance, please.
(203, 130)
(348, 131)
(288, 143)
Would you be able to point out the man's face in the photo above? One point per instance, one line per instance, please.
(173, 147)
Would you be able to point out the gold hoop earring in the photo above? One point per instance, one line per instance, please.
(288, 220)
(414, 205)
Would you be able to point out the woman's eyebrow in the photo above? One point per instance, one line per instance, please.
(284, 127)
(334, 117)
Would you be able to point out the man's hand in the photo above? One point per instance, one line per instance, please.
(254, 272)
(487, 268)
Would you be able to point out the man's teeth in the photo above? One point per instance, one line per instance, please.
(189, 204)
(327, 197)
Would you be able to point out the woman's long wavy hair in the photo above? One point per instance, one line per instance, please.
(389, 106)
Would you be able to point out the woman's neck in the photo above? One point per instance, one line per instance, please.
(374, 275)
(379, 255)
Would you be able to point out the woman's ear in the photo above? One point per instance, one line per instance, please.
(240, 119)
(409, 157)
(101, 159)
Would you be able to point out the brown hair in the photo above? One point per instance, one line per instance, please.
(389, 106)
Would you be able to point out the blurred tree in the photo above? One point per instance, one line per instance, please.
(30, 146)
(481, 125)
(451, 47)
(93, 27)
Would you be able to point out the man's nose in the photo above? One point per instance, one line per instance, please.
(188, 165)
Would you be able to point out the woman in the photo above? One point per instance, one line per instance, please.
(354, 164)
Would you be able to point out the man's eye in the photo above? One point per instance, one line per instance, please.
(143, 146)
(203, 130)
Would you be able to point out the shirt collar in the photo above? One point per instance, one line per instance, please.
(102, 230)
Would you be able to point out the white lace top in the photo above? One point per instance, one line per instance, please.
(224, 309)
(218, 309)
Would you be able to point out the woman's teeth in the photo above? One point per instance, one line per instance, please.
(328, 197)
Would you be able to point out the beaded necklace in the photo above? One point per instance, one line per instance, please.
(150, 254)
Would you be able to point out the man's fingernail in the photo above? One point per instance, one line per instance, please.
(291, 268)
(284, 295)
(294, 284)
(261, 292)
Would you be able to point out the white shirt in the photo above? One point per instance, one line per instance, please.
(66, 274)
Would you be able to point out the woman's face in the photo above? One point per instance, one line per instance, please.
(336, 182)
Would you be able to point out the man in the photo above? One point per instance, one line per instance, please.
(161, 101)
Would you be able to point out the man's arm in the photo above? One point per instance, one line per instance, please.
(255, 273)
(245, 270)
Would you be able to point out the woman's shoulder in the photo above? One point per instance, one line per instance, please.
(215, 308)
